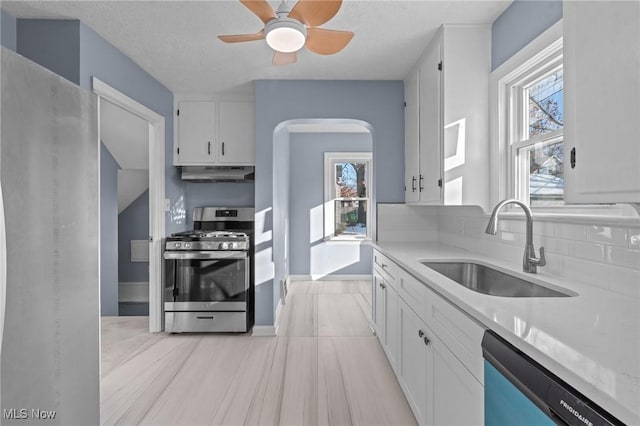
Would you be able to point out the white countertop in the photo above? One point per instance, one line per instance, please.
(591, 341)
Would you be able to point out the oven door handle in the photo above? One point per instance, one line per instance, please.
(204, 255)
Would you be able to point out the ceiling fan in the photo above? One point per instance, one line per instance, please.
(288, 29)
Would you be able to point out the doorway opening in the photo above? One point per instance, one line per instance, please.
(139, 248)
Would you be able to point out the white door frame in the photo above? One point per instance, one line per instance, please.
(156, 192)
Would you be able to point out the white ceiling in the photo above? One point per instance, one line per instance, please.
(175, 41)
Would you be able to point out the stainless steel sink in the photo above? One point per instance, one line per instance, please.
(483, 279)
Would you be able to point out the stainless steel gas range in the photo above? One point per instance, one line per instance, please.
(208, 273)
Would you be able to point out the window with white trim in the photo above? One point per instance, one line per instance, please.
(347, 185)
(535, 130)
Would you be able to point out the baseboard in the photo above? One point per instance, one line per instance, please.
(263, 330)
(329, 277)
(133, 292)
(269, 330)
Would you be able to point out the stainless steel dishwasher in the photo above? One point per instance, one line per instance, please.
(519, 391)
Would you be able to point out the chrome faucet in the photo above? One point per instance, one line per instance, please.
(529, 262)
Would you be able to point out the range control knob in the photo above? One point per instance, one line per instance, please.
(187, 245)
(224, 246)
(177, 245)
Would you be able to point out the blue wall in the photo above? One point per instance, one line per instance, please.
(8, 30)
(75, 51)
(379, 103)
(133, 224)
(519, 24)
(318, 257)
(54, 44)
(108, 233)
(281, 207)
(218, 194)
(98, 58)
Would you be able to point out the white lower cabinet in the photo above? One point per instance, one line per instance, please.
(441, 386)
(378, 306)
(455, 396)
(412, 360)
(391, 326)
(385, 316)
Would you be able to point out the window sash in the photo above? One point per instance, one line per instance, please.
(331, 159)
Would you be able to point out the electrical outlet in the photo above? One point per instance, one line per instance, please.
(167, 204)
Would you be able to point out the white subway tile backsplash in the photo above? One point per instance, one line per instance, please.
(552, 245)
(584, 271)
(608, 235)
(604, 256)
(625, 281)
(512, 238)
(554, 266)
(570, 231)
(588, 251)
(634, 238)
(623, 257)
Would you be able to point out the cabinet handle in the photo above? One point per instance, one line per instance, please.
(222, 148)
(383, 286)
(384, 266)
(421, 179)
(413, 184)
(209, 147)
(420, 334)
(426, 340)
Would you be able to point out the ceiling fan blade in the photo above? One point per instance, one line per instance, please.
(315, 12)
(261, 8)
(237, 38)
(327, 42)
(281, 58)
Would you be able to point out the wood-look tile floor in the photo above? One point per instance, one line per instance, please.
(325, 367)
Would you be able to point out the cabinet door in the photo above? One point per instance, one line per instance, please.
(196, 133)
(379, 307)
(411, 137)
(236, 133)
(454, 396)
(412, 359)
(602, 101)
(430, 124)
(391, 325)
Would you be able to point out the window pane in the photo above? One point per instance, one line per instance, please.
(351, 217)
(546, 178)
(350, 180)
(546, 106)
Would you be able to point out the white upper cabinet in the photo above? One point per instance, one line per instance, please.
(215, 133)
(236, 133)
(453, 93)
(430, 95)
(196, 133)
(602, 101)
(411, 137)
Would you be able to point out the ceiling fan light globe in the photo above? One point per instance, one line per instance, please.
(285, 36)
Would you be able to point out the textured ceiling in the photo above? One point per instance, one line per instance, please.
(175, 41)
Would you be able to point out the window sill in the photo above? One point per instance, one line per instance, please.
(574, 216)
(347, 240)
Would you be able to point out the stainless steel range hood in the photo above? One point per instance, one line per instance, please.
(218, 173)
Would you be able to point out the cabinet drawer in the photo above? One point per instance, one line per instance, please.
(413, 292)
(461, 334)
(386, 266)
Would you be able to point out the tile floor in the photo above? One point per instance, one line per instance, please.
(325, 367)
